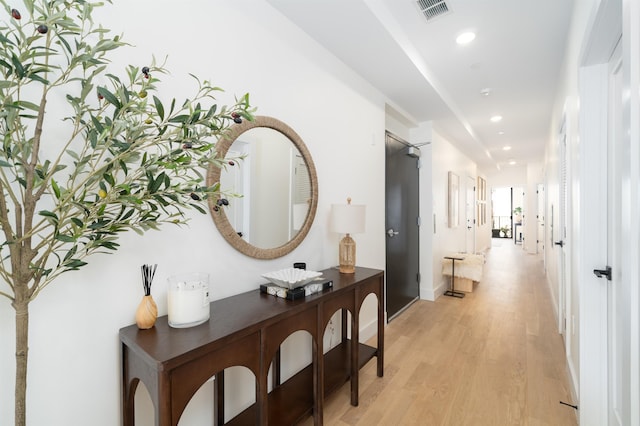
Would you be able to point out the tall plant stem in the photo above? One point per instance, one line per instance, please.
(21, 306)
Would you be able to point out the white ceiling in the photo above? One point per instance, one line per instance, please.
(518, 54)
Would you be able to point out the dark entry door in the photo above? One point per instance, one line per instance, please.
(402, 221)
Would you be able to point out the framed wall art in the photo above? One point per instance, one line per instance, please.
(482, 201)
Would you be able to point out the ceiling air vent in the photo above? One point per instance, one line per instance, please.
(431, 9)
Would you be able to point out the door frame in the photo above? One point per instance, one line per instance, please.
(408, 264)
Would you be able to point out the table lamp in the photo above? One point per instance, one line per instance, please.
(347, 219)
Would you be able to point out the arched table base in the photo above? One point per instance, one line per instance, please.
(247, 330)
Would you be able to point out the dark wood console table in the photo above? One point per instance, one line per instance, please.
(247, 330)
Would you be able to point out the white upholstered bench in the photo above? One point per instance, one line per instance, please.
(467, 271)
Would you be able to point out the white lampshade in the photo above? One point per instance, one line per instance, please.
(347, 218)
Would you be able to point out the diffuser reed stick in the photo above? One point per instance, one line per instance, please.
(148, 272)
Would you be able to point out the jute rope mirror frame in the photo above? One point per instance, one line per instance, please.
(220, 218)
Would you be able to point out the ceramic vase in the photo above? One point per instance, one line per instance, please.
(147, 313)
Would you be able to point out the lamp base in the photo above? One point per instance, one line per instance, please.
(347, 269)
(347, 255)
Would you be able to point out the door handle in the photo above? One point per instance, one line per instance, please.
(559, 243)
(391, 233)
(606, 272)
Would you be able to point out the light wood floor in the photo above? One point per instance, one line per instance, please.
(492, 358)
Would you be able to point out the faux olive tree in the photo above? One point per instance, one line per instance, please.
(117, 158)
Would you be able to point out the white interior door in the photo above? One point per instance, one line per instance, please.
(234, 180)
(561, 237)
(301, 184)
(608, 203)
(470, 213)
(618, 287)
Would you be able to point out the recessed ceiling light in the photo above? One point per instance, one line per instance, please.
(501, 132)
(496, 118)
(465, 38)
(485, 92)
(512, 162)
(506, 148)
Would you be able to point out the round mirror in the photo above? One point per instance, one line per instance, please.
(276, 184)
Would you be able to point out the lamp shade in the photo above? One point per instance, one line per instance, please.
(347, 218)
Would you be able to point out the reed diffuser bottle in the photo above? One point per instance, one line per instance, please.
(147, 309)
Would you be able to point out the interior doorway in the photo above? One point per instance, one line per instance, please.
(402, 225)
(507, 213)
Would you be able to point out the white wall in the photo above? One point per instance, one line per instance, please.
(507, 176)
(445, 158)
(397, 123)
(242, 46)
(423, 136)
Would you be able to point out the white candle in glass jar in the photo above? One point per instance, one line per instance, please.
(188, 300)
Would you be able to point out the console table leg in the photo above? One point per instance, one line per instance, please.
(318, 354)
(318, 376)
(276, 369)
(380, 351)
(128, 409)
(129, 387)
(355, 352)
(262, 390)
(163, 401)
(218, 396)
(343, 325)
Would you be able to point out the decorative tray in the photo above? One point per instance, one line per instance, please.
(291, 277)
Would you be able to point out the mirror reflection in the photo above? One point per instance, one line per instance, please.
(277, 184)
(273, 182)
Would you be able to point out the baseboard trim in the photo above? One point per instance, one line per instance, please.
(573, 381)
(427, 294)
